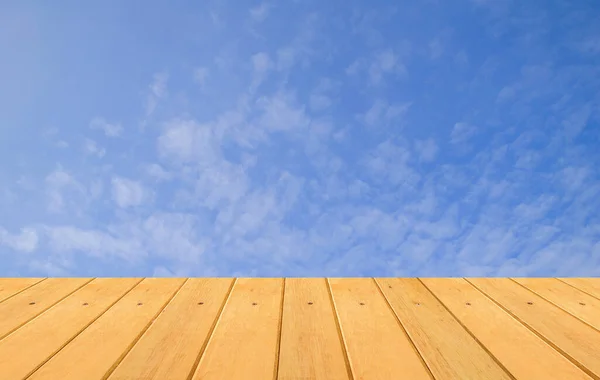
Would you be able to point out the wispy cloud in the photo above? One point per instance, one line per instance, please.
(302, 140)
(109, 129)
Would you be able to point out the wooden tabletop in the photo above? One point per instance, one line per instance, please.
(299, 328)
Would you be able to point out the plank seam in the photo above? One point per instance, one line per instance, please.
(554, 303)
(470, 332)
(211, 331)
(338, 326)
(403, 328)
(24, 289)
(575, 287)
(46, 309)
(137, 339)
(278, 349)
(555, 347)
(81, 331)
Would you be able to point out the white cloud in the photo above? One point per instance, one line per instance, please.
(260, 12)
(62, 144)
(426, 149)
(66, 239)
(319, 102)
(109, 129)
(26, 241)
(384, 63)
(201, 75)
(261, 62)
(281, 113)
(156, 91)
(577, 121)
(157, 172)
(62, 188)
(435, 48)
(186, 140)
(128, 193)
(462, 132)
(90, 148)
(286, 58)
(382, 113)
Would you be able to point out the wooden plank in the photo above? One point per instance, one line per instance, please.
(377, 346)
(11, 286)
(575, 302)
(23, 307)
(447, 348)
(244, 344)
(99, 348)
(564, 332)
(44, 336)
(523, 353)
(588, 285)
(173, 344)
(311, 346)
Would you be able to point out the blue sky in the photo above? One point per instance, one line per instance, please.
(300, 138)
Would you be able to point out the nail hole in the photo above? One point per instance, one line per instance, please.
(85, 304)
(529, 303)
(310, 303)
(32, 303)
(362, 303)
(390, 286)
(468, 303)
(254, 304)
(200, 303)
(582, 304)
(418, 304)
(139, 303)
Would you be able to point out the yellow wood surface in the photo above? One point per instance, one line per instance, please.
(311, 347)
(95, 352)
(18, 310)
(565, 332)
(575, 302)
(299, 328)
(172, 345)
(245, 341)
(524, 354)
(12, 286)
(377, 346)
(588, 285)
(447, 348)
(58, 326)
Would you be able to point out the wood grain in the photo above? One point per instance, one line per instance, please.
(523, 353)
(244, 344)
(23, 307)
(588, 285)
(573, 301)
(311, 347)
(377, 346)
(448, 349)
(95, 352)
(171, 346)
(58, 325)
(566, 333)
(12, 286)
